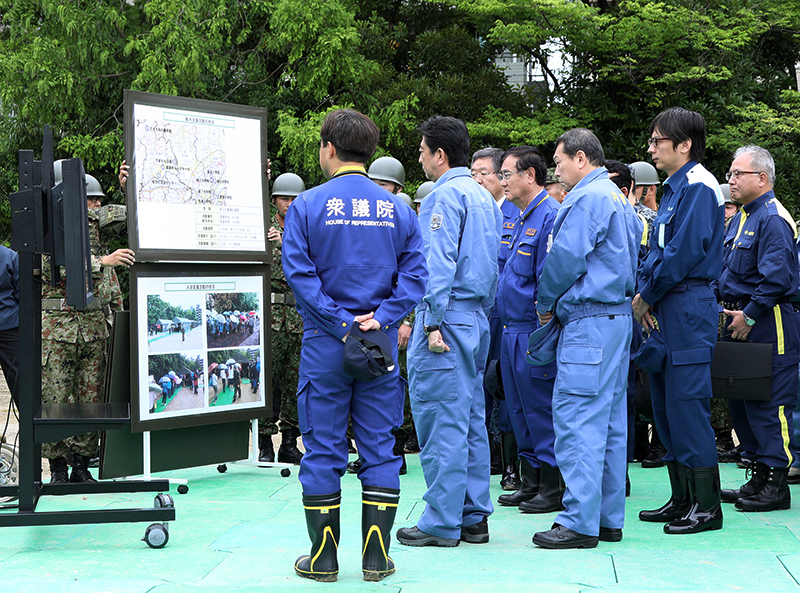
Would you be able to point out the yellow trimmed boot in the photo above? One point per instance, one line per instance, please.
(322, 520)
(378, 509)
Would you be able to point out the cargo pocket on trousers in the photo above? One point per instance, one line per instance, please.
(303, 410)
(579, 370)
(435, 377)
(685, 359)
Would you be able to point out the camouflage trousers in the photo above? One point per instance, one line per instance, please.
(408, 421)
(720, 415)
(285, 377)
(73, 373)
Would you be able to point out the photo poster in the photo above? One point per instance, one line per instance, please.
(197, 188)
(201, 344)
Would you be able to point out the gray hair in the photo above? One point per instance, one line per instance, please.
(760, 159)
(495, 154)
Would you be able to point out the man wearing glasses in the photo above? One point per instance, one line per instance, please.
(759, 277)
(674, 287)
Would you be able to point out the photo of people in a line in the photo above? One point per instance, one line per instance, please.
(232, 319)
(176, 382)
(174, 322)
(234, 376)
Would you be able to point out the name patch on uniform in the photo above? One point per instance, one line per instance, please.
(436, 222)
(508, 225)
(530, 232)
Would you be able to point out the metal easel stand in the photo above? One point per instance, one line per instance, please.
(286, 470)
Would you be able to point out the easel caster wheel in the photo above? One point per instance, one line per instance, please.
(156, 536)
(222, 468)
(183, 489)
(162, 501)
(286, 472)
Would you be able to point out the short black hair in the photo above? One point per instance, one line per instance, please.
(623, 177)
(679, 124)
(496, 154)
(582, 139)
(529, 157)
(449, 134)
(353, 134)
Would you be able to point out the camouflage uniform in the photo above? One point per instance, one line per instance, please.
(287, 338)
(408, 421)
(74, 346)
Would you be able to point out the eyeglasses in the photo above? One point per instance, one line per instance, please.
(506, 175)
(95, 199)
(737, 174)
(483, 173)
(655, 140)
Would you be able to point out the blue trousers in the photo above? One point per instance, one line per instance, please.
(448, 404)
(326, 396)
(529, 398)
(689, 320)
(591, 423)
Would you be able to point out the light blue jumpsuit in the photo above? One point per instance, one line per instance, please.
(349, 247)
(590, 271)
(461, 231)
(528, 389)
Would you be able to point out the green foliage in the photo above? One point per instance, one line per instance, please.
(157, 308)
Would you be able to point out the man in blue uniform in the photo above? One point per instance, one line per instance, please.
(528, 389)
(759, 277)
(685, 256)
(485, 170)
(461, 230)
(352, 252)
(587, 283)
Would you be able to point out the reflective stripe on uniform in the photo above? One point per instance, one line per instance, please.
(779, 328)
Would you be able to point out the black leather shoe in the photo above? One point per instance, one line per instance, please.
(561, 538)
(774, 495)
(411, 536)
(354, 466)
(609, 534)
(477, 533)
(530, 486)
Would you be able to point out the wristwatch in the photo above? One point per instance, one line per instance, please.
(429, 329)
(748, 320)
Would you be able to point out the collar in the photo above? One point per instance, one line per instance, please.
(598, 173)
(452, 173)
(751, 207)
(501, 201)
(349, 170)
(535, 203)
(678, 178)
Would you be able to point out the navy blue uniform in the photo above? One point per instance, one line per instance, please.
(759, 276)
(685, 255)
(349, 247)
(528, 389)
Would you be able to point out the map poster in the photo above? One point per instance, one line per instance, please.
(201, 344)
(196, 188)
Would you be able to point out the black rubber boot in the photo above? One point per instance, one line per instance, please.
(774, 494)
(656, 453)
(322, 520)
(529, 488)
(266, 452)
(510, 479)
(288, 451)
(757, 473)
(705, 512)
(551, 491)
(400, 438)
(80, 469)
(678, 504)
(58, 471)
(378, 509)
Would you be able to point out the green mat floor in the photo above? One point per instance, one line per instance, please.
(242, 530)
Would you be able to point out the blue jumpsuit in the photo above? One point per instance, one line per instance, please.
(528, 389)
(510, 214)
(685, 255)
(759, 276)
(349, 247)
(461, 230)
(589, 279)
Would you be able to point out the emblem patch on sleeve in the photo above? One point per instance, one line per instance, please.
(436, 222)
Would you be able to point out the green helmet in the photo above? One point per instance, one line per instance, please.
(406, 198)
(422, 191)
(288, 184)
(644, 174)
(388, 168)
(93, 187)
(551, 177)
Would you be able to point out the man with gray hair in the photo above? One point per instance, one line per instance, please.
(587, 283)
(759, 277)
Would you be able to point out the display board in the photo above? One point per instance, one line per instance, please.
(200, 343)
(197, 187)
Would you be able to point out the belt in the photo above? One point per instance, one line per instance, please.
(740, 305)
(573, 313)
(283, 298)
(683, 285)
(519, 327)
(61, 305)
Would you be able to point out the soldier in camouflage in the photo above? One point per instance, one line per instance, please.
(287, 337)
(74, 345)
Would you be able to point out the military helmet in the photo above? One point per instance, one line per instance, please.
(406, 198)
(422, 191)
(644, 174)
(93, 187)
(388, 168)
(288, 184)
(58, 177)
(551, 177)
(726, 192)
